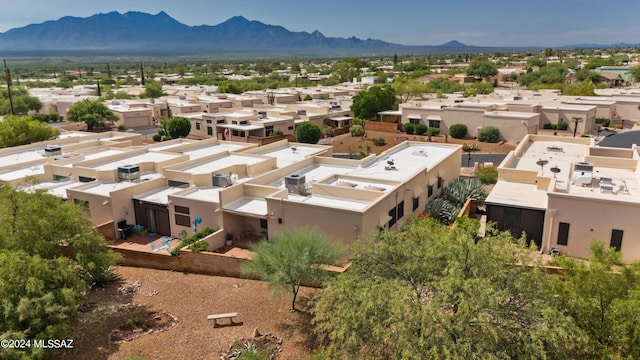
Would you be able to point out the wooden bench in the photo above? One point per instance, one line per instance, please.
(216, 317)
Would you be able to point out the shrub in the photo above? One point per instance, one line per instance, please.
(308, 133)
(166, 138)
(434, 131)
(562, 125)
(420, 129)
(486, 174)
(121, 127)
(356, 130)
(358, 121)
(546, 126)
(490, 134)
(157, 137)
(603, 121)
(458, 131)
(379, 142)
(193, 241)
(470, 147)
(328, 131)
(408, 128)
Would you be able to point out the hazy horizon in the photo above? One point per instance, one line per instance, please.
(501, 23)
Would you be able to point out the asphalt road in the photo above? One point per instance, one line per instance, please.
(468, 160)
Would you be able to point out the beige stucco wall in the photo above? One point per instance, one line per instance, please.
(592, 219)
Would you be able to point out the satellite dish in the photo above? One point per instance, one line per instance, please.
(390, 162)
(542, 163)
(555, 170)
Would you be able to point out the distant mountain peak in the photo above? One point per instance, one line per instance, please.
(454, 43)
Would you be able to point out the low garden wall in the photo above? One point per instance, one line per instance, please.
(380, 126)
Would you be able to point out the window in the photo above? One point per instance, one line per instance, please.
(209, 130)
(234, 122)
(439, 182)
(429, 191)
(209, 121)
(393, 219)
(268, 129)
(197, 125)
(414, 121)
(434, 124)
(563, 234)
(220, 121)
(237, 133)
(400, 210)
(616, 239)
(182, 216)
(183, 220)
(346, 123)
(181, 209)
(290, 128)
(263, 224)
(416, 203)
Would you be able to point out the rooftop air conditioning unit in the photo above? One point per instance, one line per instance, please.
(583, 173)
(128, 172)
(262, 114)
(52, 150)
(517, 98)
(295, 184)
(458, 101)
(301, 112)
(182, 97)
(222, 180)
(115, 103)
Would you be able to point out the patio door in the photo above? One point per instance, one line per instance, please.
(154, 217)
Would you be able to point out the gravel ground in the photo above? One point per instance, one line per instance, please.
(190, 298)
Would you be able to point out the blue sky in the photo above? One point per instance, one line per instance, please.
(415, 22)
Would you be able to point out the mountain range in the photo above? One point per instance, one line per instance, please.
(142, 33)
(137, 33)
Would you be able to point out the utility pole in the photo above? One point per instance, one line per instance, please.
(8, 78)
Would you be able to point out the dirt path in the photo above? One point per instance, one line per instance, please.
(189, 298)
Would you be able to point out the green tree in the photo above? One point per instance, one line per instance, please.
(603, 298)
(22, 101)
(177, 127)
(584, 88)
(20, 130)
(347, 69)
(367, 104)
(93, 112)
(432, 292)
(152, 90)
(308, 133)
(295, 257)
(482, 67)
(635, 73)
(41, 281)
(407, 89)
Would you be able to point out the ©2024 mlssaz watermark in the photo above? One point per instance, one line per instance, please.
(38, 344)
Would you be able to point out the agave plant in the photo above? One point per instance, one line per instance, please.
(443, 210)
(454, 195)
(463, 188)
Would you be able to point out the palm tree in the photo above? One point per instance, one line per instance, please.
(575, 120)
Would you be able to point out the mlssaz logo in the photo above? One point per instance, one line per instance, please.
(54, 344)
